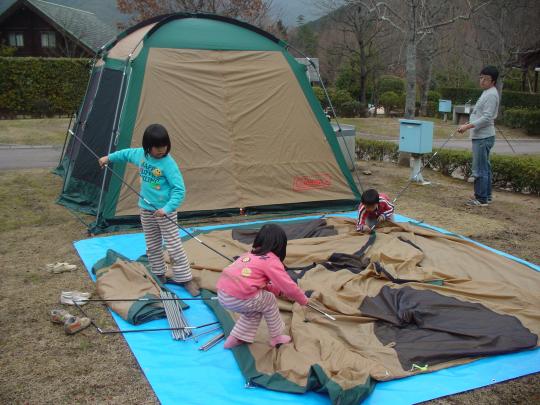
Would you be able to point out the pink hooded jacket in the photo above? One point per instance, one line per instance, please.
(250, 273)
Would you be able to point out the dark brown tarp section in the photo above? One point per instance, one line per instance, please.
(345, 357)
(297, 230)
(426, 327)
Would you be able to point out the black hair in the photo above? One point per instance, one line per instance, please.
(270, 238)
(491, 71)
(370, 197)
(155, 135)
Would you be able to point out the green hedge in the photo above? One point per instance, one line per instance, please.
(518, 173)
(527, 119)
(42, 86)
(376, 150)
(510, 99)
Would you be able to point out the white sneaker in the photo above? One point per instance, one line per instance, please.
(67, 297)
(60, 267)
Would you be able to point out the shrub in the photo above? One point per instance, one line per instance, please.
(512, 99)
(518, 173)
(391, 83)
(319, 93)
(460, 95)
(389, 100)
(447, 161)
(376, 150)
(432, 108)
(509, 99)
(527, 119)
(339, 98)
(434, 96)
(42, 86)
(350, 109)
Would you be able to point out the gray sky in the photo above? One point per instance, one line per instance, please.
(289, 10)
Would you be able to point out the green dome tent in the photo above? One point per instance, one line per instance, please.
(247, 131)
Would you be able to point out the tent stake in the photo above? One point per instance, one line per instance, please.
(322, 312)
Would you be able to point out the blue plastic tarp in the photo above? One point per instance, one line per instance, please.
(180, 373)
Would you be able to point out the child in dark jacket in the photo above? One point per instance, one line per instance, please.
(374, 208)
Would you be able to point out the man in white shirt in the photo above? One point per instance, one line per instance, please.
(482, 126)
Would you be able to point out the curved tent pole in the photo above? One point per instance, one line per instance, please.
(331, 106)
(208, 16)
(114, 133)
(78, 117)
(109, 45)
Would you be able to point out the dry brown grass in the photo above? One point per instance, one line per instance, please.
(41, 365)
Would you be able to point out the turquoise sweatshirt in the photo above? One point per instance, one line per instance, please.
(162, 183)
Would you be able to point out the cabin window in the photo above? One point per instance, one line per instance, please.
(16, 39)
(48, 39)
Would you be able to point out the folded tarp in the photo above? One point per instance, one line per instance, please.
(344, 358)
(117, 277)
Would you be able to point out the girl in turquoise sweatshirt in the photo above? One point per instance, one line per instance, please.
(162, 191)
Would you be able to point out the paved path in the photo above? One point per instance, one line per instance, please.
(29, 157)
(47, 156)
(521, 146)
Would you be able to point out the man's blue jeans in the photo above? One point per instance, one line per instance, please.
(481, 168)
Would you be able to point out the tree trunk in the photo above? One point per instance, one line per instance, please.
(410, 99)
(499, 86)
(363, 80)
(427, 82)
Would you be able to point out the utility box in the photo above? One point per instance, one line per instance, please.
(415, 136)
(347, 142)
(445, 106)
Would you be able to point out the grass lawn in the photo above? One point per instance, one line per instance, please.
(389, 127)
(41, 364)
(52, 131)
(42, 131)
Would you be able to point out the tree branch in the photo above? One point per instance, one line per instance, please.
(472, 10)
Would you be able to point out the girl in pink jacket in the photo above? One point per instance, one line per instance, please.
(250, 285)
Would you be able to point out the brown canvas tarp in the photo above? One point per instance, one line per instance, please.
(345, 356)
(241, 130)
(118, 278)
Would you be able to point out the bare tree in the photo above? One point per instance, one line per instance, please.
(415, 19)
(255, 12)
(359, 30)
(507, 32)
(430, 49)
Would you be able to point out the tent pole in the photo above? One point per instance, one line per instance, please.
(114, 132)
(66, 137)
(78, 120)
(153, 206)
(98, 212)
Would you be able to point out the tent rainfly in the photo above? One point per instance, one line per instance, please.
(246, 128)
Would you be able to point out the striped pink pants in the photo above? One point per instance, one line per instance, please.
(157, 229)
(252, 310)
